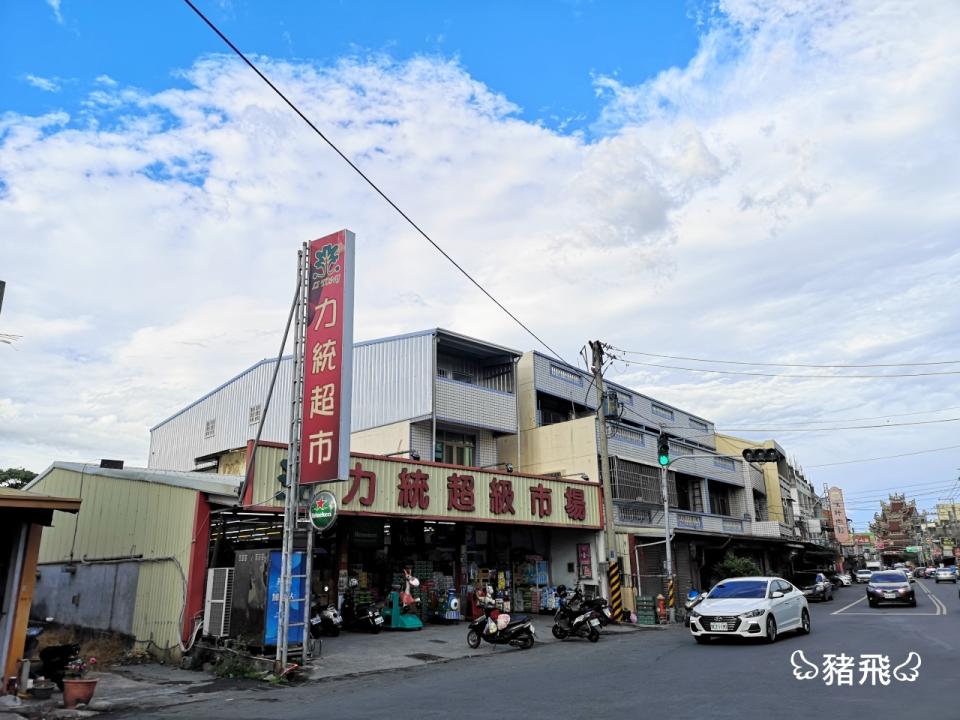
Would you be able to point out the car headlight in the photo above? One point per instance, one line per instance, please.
(753, 613)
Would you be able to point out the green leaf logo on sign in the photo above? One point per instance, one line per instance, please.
(323, 510)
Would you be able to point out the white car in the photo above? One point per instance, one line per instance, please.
(845, 579)
(945, 574)
(863, 576)
(750, 607)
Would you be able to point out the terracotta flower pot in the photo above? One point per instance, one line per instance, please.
(77, 691)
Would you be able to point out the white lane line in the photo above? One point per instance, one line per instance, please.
(941, 608)
(885, 614)
(846, 607)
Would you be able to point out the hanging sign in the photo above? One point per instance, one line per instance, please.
(323, 510)
(327, 359)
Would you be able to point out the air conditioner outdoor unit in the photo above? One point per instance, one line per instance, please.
(216, 609)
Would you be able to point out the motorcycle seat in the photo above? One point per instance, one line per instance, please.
(518, 620)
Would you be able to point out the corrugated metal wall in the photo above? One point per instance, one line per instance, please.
(121, 518)
(391, 382)
(265, 485)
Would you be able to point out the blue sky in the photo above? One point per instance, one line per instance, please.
(543, 56)
(776, 182)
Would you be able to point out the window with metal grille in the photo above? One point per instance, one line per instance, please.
(662, 411)
(697, 425)
(255, 414)
(455, 448)
(633, 481)
(725, 463)
(209, 429)
(566, 375)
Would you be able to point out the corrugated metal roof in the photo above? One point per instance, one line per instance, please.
(223, 487)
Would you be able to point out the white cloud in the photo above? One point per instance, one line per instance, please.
(55, 6)
(46, 84)
(790, 195)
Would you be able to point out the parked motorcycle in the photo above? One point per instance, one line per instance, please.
(573, 618)
(325, 621)
(694, 598)
(498, 628)
(601, 607)
(364, 617)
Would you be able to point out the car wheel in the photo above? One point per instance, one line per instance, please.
(872, 603)
(805, 622)
(913, 602)
(771, 629)
(702, 639)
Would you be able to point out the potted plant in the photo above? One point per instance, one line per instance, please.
(76, 687)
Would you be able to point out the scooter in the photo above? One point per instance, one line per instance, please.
(499, 628)
(694, 598)
(325, 621)
(573, 618)
(365, 617)
(55, 659)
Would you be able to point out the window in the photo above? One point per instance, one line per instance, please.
(662, 411)
(209, 429)
(719, 500)
(566, 375)
(725, 463)
(454, 448)
(697, 425)
(255, 414)
(630, 436)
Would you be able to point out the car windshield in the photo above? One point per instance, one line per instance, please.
(804, 579)
(888, 577)
(739, 589)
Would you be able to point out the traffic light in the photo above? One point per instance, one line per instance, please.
(663, 450)
(762, 455)
(282, 477)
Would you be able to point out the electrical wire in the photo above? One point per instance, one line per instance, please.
(792, 365)
(370, 182)
(832, 429)
(789, 376)
(885, 457)
(863, 419)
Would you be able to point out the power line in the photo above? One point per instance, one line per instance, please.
(847, 427)
(872, 417)
(785, 375)
(795, 365)
(885, 457)
(370, 182)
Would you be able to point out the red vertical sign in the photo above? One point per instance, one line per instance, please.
(328, 360)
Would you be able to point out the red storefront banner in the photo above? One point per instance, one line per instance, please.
(328, 360)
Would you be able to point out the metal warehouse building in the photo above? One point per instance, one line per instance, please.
(133, 560)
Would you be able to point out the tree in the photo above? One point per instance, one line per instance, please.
(15, 477)
(734, 566)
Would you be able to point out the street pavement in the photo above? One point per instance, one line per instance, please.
(654, 674)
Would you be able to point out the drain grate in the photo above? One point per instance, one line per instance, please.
(425, 657)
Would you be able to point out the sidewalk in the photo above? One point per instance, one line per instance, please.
(353, 653)
(153, 685)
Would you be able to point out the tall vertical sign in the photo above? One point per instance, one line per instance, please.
(328, 360)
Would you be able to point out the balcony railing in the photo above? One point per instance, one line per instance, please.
(475, 405)
(640, 514)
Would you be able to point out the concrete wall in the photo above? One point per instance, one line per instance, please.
(563, 550)
(382, 440)
(98, 596)
(566, 448)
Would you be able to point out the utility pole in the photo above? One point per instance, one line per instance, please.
(610, 532)
(671, 584)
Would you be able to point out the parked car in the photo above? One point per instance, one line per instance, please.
(945, 574)
(890, 586)
(863, 576)
(920, 572)
(930, 572)
(761, 607)
(814, 585)
(838, 579)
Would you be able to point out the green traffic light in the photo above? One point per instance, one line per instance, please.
(664, 460)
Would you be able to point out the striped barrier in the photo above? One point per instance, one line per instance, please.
(616, 590)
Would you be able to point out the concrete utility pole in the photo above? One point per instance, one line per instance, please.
(610, 532)
(672, 611)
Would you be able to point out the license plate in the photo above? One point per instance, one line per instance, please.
(889, 596)
(594, 622)
(378, 620)
(718, 627)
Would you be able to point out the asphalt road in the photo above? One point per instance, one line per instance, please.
(654, 674)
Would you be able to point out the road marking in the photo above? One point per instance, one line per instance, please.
(937, 603)
(911, 614)
(846, 607)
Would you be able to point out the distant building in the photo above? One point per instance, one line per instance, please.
(838, 509)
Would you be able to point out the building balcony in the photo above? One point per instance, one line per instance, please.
(773, 529)
(473, 405)
(640, 514)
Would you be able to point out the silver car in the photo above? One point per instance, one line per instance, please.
(945, 574)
